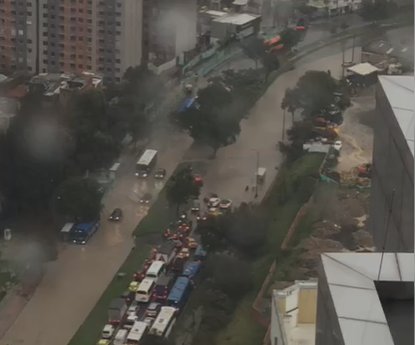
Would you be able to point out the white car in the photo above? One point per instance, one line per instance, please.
(225, 204)
(213, 202)
(108, 331)
(337, 145)
(132, 309)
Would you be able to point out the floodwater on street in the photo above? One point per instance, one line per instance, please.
(73, 284)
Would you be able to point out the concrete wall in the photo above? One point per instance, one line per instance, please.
(327, 325)
(393, 170)
(307, 305)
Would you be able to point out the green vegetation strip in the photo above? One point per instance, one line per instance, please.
(153, 223)
(243, 329)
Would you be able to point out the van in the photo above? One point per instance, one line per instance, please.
(155, 270)
(120, 337)
(145, 290)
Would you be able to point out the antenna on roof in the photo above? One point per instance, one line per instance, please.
(386, 232)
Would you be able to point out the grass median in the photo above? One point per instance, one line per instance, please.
(243, 329)
(151, 226)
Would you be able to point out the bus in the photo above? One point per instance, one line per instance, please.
(164, 322)
(146, 163)
(136, 333)
(155, 270)
(179, 293)
(145, 290)
(80, 233)
(191, 269)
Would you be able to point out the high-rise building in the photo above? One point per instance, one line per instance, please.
(71, 36)
(18, 35)
(170, 29)
(392, 195)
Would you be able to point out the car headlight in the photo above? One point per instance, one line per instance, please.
(137, 174)
(144, 175)
(83, 242)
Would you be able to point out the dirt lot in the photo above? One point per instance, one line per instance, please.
(337, 221)
(356, 132)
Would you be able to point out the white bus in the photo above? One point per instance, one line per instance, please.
(136, 332)
(155, 270)
(164, 322)
(146, 163)
(145, 290)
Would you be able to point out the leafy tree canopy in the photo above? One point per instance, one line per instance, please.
(215, 121)
(313, 92)
(181, 187)
(78, 199)
(290, 37)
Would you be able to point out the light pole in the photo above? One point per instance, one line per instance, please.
(256, 172)
(283, 126)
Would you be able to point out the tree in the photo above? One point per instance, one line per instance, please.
(215, 119)
(254, 48)
(290, 37)
(78, 199)
(313, 92)
(213, 233)
(181, 187)
(229, 274)
(247, 230)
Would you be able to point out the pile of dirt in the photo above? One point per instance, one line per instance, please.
(343, 227)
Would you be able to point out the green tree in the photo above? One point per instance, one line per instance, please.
(215, 119)
(181, 187)
(78, 199)
(213, 233)
(247, 229)
(229, 274)
(313, 92)
(254, 48)
(290, 37)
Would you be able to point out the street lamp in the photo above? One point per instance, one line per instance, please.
(256, 172)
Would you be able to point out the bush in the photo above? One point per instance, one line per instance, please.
(230, 275)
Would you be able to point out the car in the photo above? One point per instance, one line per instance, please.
(225, 204)
(184, 253)
(146, 198)
(132, 309)
(191, 243)
(195, 206)
(103, 342)
(160, 173)
(153, 309)
(337, 145)
(108, 331)
(198, 180)
(133, 287)
(213, 202)
(128, 296)
(116, 215)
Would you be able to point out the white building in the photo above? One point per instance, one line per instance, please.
(335, 7)
(293, 314)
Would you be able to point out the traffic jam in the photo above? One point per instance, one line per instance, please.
(159, 290)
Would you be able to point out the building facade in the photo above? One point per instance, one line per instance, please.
(18, 35)
(71, 36)
(365, 298)
(170, 29)
(392, 195)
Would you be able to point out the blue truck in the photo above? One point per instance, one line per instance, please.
(179, 293)
(200, 253)
(191, 269)
(82, 232)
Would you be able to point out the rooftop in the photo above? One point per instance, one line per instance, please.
(363, 69)
(352, 279)
(237, 18)
(400, 93)
(297, 311)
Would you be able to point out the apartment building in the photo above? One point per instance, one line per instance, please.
(170, 28)
(18, 30)
(72, 36)
(392, 194)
